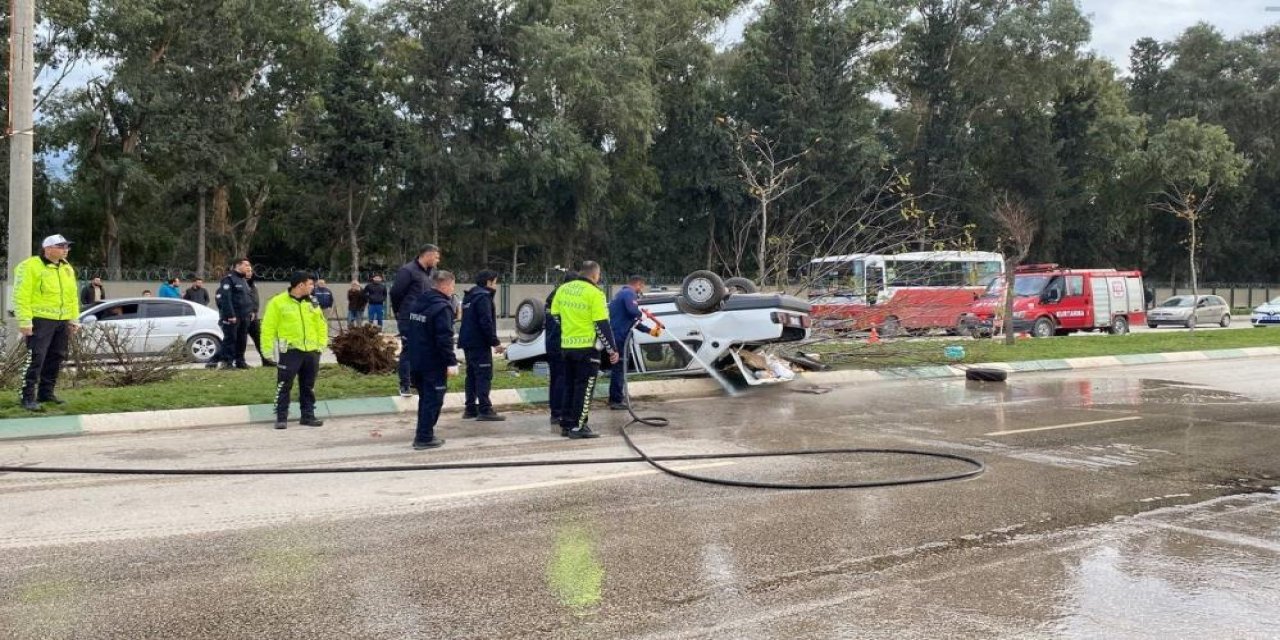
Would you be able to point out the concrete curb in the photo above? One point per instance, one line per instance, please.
(682, 388)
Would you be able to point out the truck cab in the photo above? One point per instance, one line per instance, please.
(1049, 301)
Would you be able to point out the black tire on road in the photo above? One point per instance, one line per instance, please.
(986, 375)
(703, 291)
(1043, 328)
(740, 285)
(202, 348)
(531, 316)
(1119, 326)
(1151, 326)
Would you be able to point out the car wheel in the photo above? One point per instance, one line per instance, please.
(1151, 326)
(1226, 321)
(1043, 328)
(203, 348)
(1119, 326)
(703, 291)
(1191, 322)
(531, 316)
(740, 285)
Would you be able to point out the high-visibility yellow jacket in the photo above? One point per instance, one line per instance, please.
(44, 289)
(580, 305)
(295, 324)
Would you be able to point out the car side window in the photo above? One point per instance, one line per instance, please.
(1075, 285)
(168, 310)
(129, 311)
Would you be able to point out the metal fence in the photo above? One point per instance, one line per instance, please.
(1239, 295)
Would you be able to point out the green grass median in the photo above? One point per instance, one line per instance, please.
(204, 388)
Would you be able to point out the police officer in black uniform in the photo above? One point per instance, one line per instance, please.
(235, 309)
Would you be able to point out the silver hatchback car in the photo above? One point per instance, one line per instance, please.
(151, 325)
(1186, 311)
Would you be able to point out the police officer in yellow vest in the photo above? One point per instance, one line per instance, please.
(295, 327)
(46, 302)
(584, 319)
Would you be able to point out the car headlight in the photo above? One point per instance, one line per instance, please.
(1019, 314)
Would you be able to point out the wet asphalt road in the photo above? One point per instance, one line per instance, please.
(1118, 503)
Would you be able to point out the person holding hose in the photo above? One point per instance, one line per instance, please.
(624, 313)
(580, 308)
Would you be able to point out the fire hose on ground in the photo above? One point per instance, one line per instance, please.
(973, 466)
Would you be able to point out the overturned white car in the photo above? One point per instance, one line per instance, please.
(721, 322)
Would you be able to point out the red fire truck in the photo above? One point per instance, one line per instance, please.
(1049, 301)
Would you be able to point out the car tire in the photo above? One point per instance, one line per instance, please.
(1226, 321)
(1043, 328)
(531, 317)
(1152, 326)
(986, 375)
(1119, 326)
(703, 291)
(740, 285)
(202, 348)
(1191, 322)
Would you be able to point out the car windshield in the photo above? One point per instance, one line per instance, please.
(1178, 301)
(1275, 302)
(1022, 285)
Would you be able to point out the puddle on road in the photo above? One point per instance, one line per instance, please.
(1083, 392)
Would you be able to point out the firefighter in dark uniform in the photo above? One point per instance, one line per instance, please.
(478, 338)
(557, 391)
(235, 310)
(583, 314)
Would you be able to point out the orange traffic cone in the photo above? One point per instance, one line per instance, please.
(875, 337)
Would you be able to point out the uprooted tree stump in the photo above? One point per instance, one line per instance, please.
(365, 349)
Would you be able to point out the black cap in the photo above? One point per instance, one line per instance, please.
(300, 277)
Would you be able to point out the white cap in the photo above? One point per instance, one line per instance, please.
(54, 239)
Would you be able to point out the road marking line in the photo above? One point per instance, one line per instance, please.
(562, 483)
(1063, 426)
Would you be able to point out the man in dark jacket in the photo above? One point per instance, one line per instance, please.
(235, 310)
(375, 293)
(92, 294)
(478, 338)
(429, 341)
(558, 389)
(412, 280)
(255, 326)
(197, 293)
(356, 303)
(323, 296)
(624, 312)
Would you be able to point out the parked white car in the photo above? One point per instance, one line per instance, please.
(1266, 314)
(151, 325)
(715, 323)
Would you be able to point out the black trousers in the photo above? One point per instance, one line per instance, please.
(235, 339)
(46, 349)
(431, 389)
(558, 388)
(479, 380)
(582, 369)
(305, 366)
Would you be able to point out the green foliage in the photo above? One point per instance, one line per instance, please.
(524, 134)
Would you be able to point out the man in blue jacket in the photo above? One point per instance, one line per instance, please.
(429, 340)
(478, 338)
(624, 311)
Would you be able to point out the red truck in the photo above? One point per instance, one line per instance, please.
(1049, 301)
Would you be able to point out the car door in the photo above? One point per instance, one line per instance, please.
(167, 321)
(1073, 309)
(118, 326)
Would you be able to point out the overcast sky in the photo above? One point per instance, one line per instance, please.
(1118, 23)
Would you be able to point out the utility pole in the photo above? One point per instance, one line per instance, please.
(21, 145)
